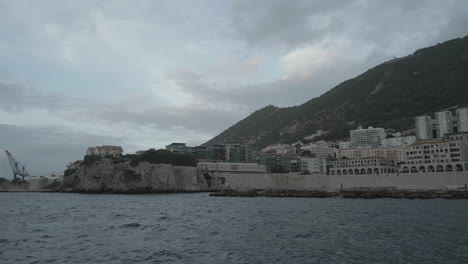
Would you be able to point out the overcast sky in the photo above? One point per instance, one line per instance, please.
(143, 74)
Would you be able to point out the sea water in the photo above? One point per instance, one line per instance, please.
(197, 228)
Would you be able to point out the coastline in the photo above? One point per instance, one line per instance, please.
(360, 193)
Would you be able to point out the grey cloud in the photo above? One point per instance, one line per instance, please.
(46, 149)
(15, 97)
(293, 23)
(198, 119)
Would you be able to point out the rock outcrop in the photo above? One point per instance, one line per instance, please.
(109, 176)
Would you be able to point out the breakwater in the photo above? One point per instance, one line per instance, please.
(360, 193)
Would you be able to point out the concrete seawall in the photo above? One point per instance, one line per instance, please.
(409, 181)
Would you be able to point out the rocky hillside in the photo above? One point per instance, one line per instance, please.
(388, 95)
(108, 176)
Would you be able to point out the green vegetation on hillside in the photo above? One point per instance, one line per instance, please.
(388, 95)
(163, 156)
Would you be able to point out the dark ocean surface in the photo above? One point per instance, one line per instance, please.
(196, 228)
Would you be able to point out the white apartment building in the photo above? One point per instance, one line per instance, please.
(423, 127)
(279, 149)
(344, 144)
(444, 123)
(320, 150)
(370, 137)
(314, 165)
(462, 119)
(398, 141)
(395, 153)
(369, 165)
(437, 156)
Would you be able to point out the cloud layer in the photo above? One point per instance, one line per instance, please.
(143, 74)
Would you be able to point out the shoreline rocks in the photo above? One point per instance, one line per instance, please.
(363, 194)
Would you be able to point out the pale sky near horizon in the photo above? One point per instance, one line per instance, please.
(142, 74)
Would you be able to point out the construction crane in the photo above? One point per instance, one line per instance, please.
(19, 170)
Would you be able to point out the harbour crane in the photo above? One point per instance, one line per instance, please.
(18, 169)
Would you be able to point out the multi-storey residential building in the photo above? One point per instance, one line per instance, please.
(398, 141)
(395, 153)
(369, 165)
(344, 144)
(199, 152)
(444, 123)
(437, 155)
(462, 119)
(279, 149)
(288, 163)
(105, 150)
(216, 152)
(423, 127)
(320, 150)
(178, 148)
(370, 137)
(313, 165)
(236, 152)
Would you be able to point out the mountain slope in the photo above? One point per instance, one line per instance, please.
(388, 95)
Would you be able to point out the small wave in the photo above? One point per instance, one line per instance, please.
(131, 225)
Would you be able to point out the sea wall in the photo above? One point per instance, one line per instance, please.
(35, 185)
(410, 181)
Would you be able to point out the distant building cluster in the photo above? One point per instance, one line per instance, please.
(444, 122)
(440, 145)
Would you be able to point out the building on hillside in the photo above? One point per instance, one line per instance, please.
(313, 165)
(395, 153)
(178, 148)
(398, 141)
(363, 166)
(437, 155)
(287, 163)
(199, 152)
(279, 149)
(462, 119)
(370, 137)
(344, 144)
(236, 152)
(231, 167)
(216, 152)
(320, 150)
(444, 123)
(105, 150)
(269, 160)
(423, 127)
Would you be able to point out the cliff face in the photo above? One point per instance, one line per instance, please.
(108, 176)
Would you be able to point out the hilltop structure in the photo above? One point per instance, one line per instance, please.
(105, 150)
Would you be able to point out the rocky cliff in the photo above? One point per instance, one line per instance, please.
(108, 176)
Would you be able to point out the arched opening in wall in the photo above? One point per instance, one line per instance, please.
(405, 170)
(414, 169)
(376, 171)
(430, 168)
(440, 168)
(458, 167)
(449, 168)
(345, 172)
(356, 171)
(350, 172)
(369, 171)
(422, 169)
(363, 171)
(333, 172)
(338, 172)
